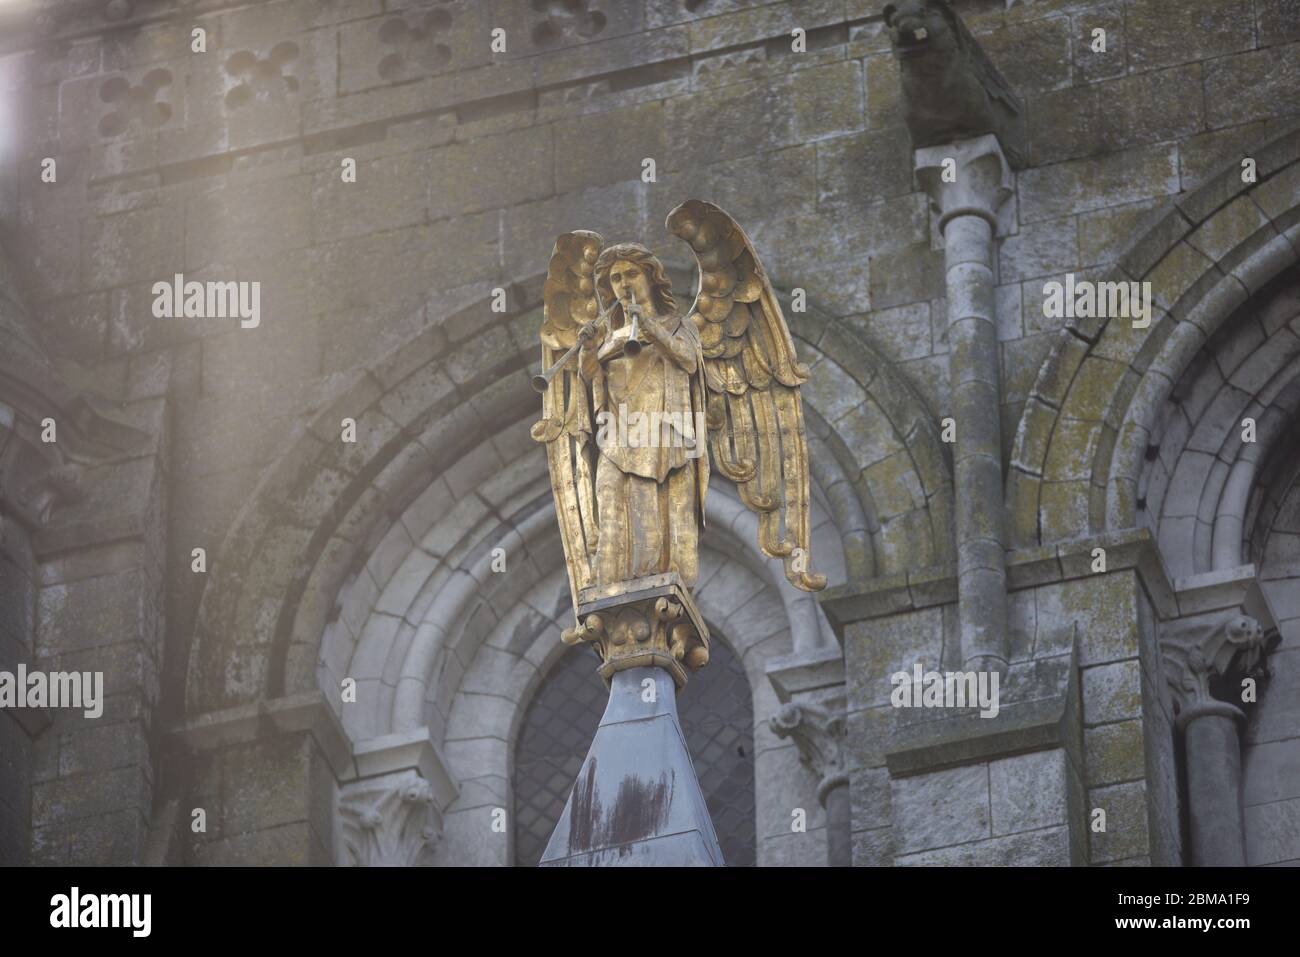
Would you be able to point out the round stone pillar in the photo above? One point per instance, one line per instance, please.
(1225, 644)
(1214, 809)
(968, 181)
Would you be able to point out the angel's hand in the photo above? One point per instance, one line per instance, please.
(651, 327)
(590, 337)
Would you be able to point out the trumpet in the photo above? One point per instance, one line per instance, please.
(542, 382)
(632, 348)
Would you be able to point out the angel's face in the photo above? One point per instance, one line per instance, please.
(628, 280)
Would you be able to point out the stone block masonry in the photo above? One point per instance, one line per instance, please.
(378, 172)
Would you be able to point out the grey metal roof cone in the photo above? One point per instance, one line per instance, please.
(637, 801)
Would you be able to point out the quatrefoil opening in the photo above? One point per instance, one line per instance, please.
(566, 16)
(415, 49)
(261, 77)
(136, 103)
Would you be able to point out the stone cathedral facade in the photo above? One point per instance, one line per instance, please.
(312, 548)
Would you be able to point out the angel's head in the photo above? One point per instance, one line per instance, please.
(628, 270)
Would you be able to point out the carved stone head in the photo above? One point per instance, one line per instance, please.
(1245, 635)
(1208, 647)
(921, 26)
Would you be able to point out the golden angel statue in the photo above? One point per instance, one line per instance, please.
(636, 394)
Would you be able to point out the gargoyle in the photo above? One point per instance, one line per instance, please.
(951, 90)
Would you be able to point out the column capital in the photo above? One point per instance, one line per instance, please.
(392, 802)
(1226, 627)
(650, 621)
(1197, 649)
(818, 728)
(965, 178)
(388, 821)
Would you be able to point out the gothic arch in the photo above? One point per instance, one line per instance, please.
(489, 704)
(1081, 441)
(1231, 413)
(1268, 535)
(435, 594)
(322, 511)
(1189, 427)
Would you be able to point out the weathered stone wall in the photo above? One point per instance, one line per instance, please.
(269, 801)
(17, 612)
(468, 163)
(1271, 755)
(1083, 696)
(82, 495)
(1272, 750)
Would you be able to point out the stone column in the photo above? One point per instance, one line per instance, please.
(1195, 650)
(1218, 826)
(968, 181)
(811, 685)
(818, 731)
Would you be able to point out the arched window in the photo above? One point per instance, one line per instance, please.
(717, 715)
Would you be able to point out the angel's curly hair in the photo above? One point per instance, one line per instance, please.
(661, 287)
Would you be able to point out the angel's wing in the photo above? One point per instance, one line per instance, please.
(569, 297)
(755, 416)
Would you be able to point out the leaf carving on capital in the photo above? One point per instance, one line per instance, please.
(1203, 648)
(818, 731)
(389, 822)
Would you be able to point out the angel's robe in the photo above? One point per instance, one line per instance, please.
(649, 497)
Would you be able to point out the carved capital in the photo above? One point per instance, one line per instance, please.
(818, 730)
(965, 178)
(390, 821)
(1199, 649)
(646, 621)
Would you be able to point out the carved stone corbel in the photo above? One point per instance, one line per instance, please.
(40, 475)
